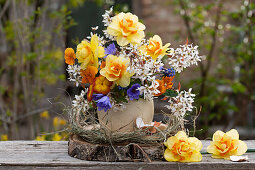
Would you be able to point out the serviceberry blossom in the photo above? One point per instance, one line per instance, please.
(80, 103)
(74, 74)
(184, 57)
(181, 104)
(107, 20)
(107, 17)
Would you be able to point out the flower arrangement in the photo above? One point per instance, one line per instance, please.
(123, 66)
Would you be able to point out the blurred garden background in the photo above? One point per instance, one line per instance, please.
(34, 87)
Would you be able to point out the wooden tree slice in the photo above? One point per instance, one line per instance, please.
(80, 149)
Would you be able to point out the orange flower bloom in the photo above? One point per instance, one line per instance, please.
(102, 64)
(168, 82)
(89, 74)
(161, 87)
(226, 144)
(181, 148)
(69, 56)
(116, 70)
(153, 129)
(155, 47)
(126, 28)
(90, 92)
(102, 85)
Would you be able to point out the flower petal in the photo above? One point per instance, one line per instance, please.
(169, 156)
(197, 142)
(124, 81)
(94, 42)
(218, 135)
(181, 134)
(195, 157)
(211, 149)
(242, 148)
(122, 41)
(171, 141)
(233, 134)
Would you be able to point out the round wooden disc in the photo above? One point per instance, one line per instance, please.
(80, 149)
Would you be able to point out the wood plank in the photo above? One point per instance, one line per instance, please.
(53, 155)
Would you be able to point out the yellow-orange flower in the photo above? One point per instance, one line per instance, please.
(4, 137)
(116, 70)
(161, 88)
(102, 85)
(226, 144)
(57, 121)
(181, 148)
(102, 64)
(168, 82)
(89, 74)
(155, 48)
(56, 137)
(126, 28)
(70, 56)
(88, 53)
(45, 114)
(40, 138)
(90, 92)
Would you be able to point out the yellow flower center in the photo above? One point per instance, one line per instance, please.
(127, 28)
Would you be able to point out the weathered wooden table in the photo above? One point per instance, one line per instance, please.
(53, 155)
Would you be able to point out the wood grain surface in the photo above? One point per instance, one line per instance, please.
(53, 155)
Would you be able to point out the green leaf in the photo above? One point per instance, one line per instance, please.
(2, 90)
(237, 87)
(119, 95)
(62, 77)
(8, 113)
(30, 56)
(170, 93)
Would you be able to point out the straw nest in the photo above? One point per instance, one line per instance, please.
(87, 126)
